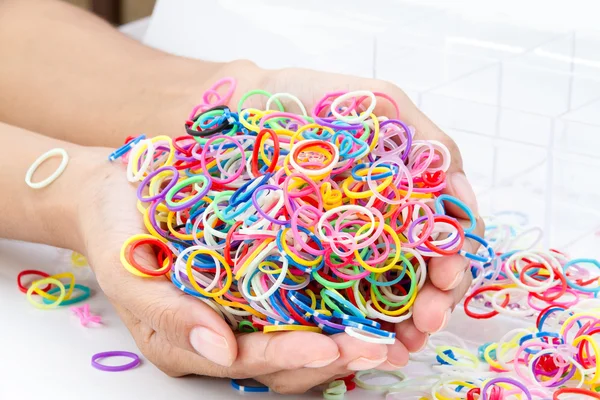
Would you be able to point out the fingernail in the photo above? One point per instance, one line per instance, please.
(322, 363)
(464, 190)
(361, 364)
(456, 281)
(445, 320)
(211, 346)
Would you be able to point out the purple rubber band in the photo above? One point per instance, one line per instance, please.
(505, 380)
(408, 136)
(161, 194)
(328, 323)
(136, 361)
(257, 206)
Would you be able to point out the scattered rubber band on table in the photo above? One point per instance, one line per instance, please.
(118, 368)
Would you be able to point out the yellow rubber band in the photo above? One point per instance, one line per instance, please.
(46, 281)
(63, 275)
(130, 267)
(78, 260)
(285, 328)
(219, 258)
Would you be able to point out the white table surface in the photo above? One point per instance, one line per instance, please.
(46, 354)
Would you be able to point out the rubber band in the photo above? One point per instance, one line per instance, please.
(39, 161)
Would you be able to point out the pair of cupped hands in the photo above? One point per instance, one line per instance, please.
(181, 335)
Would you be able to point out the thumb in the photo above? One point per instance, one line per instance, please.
(184, 321)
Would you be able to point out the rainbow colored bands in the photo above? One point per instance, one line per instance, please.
(321, 221)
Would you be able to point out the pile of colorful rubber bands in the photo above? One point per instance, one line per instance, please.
(288, 221)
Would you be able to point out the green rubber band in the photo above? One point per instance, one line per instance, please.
(246, 327)
(336, 387)
(330, 303)
(85, 294)
(413, 286)
(361, 382)
(260, 92)
(331, 285)
(186, 182)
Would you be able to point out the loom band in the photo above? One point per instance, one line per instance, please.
(284, 248)
(173, 231)
(258, 147)
(474, 256)
(584, 363)
(539, 262)
(144, 146)
(384, 171)
(571, 303)
(173, 206)
(85, 294)
(218, 258)
(47, 281)
(313, 126)
(544, 296)
(55, 277)
(394, 184)
(268, 292)
(277, 207)
(296, 229)
(545, 313)
(357, 210)
(572, 284)
(393, 261)
(246, 327)
(300, 301)
(400, 300)
(356, 320)
(374, 278)
(181, 286)
(42, 274)
(428, 220)
(337, 302)
(241, 306)
(395, 313)
(286, 167)
(453, 249)
(439, 209)
(578, 391)
(481, 290)
(329, 322)
(279, 308)
(353, 119)
(248, 118)
(166, 264)
(407, 132)
(186, 150)
(365, 194)
(297, 315)
(241, 153)
(371, 250)
(539, 335)
(489, 383)
(228, 239)
(259, 252)
(590, 340)
(244, 193)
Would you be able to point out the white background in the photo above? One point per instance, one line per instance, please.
(510, 80)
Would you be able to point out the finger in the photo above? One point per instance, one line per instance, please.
(261, 353)
(413, 339)
(258, 354)
(355, 355)
(397, 357)
(433, 307)
(446, 273)
(186, 322)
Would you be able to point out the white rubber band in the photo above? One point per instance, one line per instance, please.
(55, 174)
